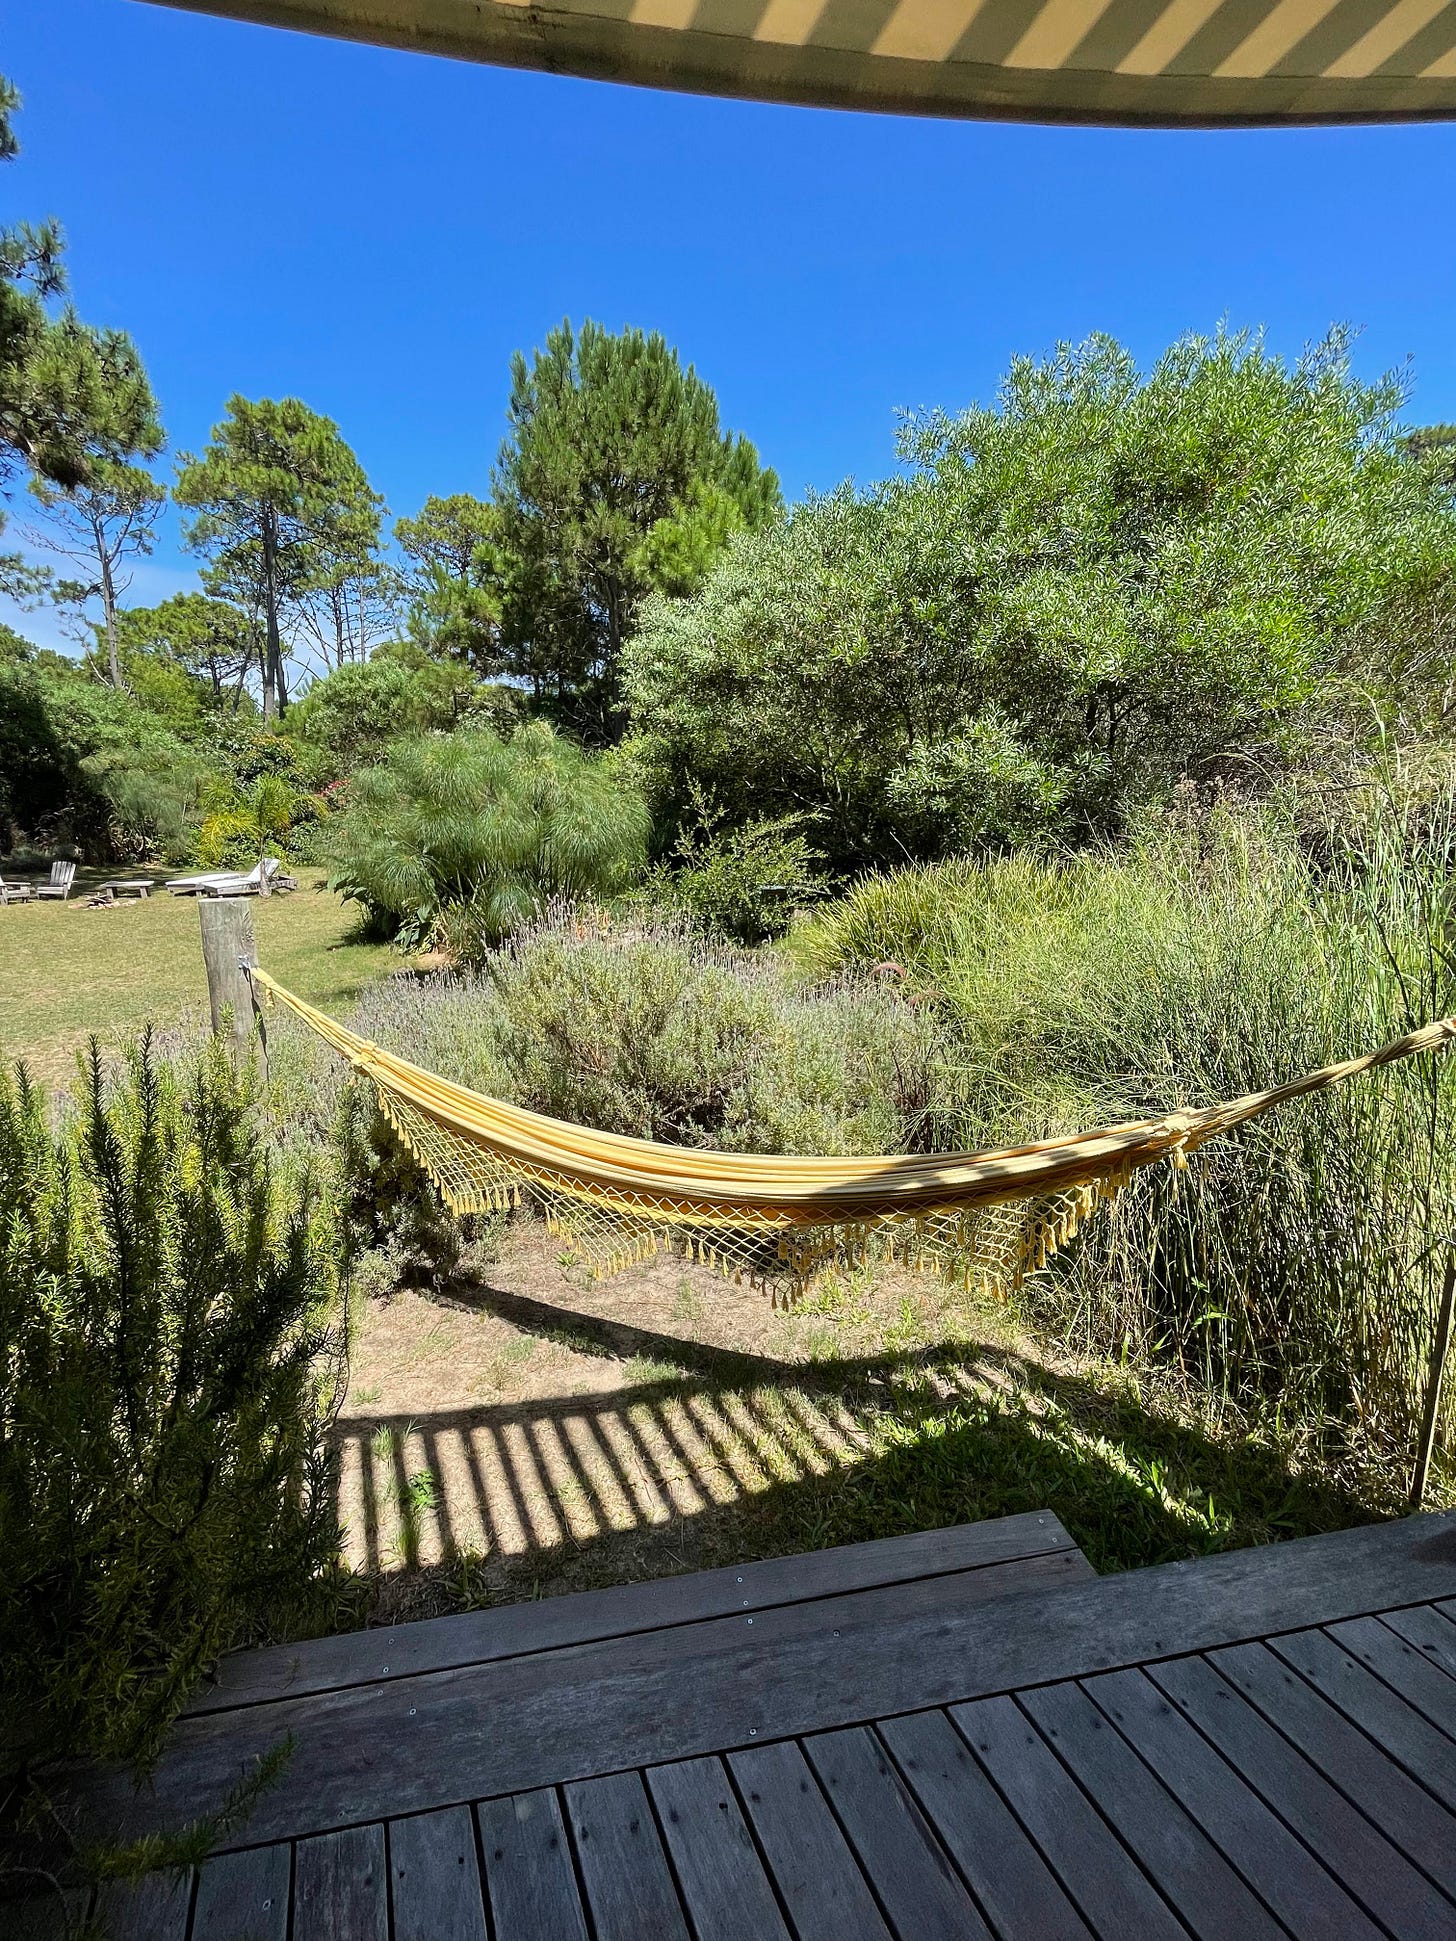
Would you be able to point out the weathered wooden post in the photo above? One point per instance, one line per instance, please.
(1440, 1349)
(227, 944)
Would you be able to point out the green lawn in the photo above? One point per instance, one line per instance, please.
(66, 971)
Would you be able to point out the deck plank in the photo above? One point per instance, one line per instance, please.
(1387, 1795)
(1388, 1885)
(411, 1744)
(1411, 1740)
(727, 1893)
(629, 1885)
(1430, 1633)
(1406, 1670)
(1098, 1873)
(916, 1883)
(434, 1878)
(817, 1875)
(341, 1887)
(244, 1896)
(1019, 1892)
(587, 1617)
(528, 1872)
(1279, 1868)
(154, 1908)
(1211, 1899)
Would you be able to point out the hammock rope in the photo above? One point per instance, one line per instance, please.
(986, 1218)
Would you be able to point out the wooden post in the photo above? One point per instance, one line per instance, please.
(1440, 1348)
(227, 944)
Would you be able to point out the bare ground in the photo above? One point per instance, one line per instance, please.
(534, 1432)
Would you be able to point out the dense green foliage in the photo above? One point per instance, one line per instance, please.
(1076, 600)
(742, 882)
(167, 1291)
(352, 715)
(480, 834)
(615, 478)
(82, 762)
(457, 577)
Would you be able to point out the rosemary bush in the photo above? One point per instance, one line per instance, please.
(168, 1364)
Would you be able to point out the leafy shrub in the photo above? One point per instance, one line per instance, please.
(248, 824)
(165, 1383)
(743, 883)
(351, 716)
(471, 835)
(1103, 584)
(650, 1031)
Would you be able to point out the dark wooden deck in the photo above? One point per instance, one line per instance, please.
(954, 1735)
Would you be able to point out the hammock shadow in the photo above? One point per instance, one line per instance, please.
(485, 1504)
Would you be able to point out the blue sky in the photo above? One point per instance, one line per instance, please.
(376, 232)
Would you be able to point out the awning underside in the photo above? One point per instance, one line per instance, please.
(1202, 62)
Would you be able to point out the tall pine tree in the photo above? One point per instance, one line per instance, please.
(616, 477)
(284, 514)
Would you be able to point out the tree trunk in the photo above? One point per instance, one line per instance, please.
(108, 605)
(273, 700)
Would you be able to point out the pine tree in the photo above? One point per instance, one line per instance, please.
(610, 437)
(283, 513)
(110, 514)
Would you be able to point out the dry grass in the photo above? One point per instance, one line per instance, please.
(66, 970)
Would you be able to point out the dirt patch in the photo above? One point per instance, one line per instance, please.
(536, 1431)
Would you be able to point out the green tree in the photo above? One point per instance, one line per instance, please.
(285, 517)
(33, 424)
(211, 642)
(609, 438)
(53, 371)
(482, 833)
(110, 514)
(1104, 584)
(455, 585)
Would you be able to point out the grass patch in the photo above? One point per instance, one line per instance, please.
(66, 971)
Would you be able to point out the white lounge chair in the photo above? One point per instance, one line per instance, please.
(208, 881)
(62, 876)
(250, 885)
(15, 892)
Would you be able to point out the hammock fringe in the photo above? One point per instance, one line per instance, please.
(983, 1220)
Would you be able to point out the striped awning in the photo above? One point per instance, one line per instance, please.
(1170, 62)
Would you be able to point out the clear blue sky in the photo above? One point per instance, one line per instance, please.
(376, 232)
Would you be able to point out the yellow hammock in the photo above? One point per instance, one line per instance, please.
(991, 1217)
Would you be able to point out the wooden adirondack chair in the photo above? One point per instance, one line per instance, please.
(61, 879)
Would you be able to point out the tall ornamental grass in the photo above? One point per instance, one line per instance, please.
(1296, 1263)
